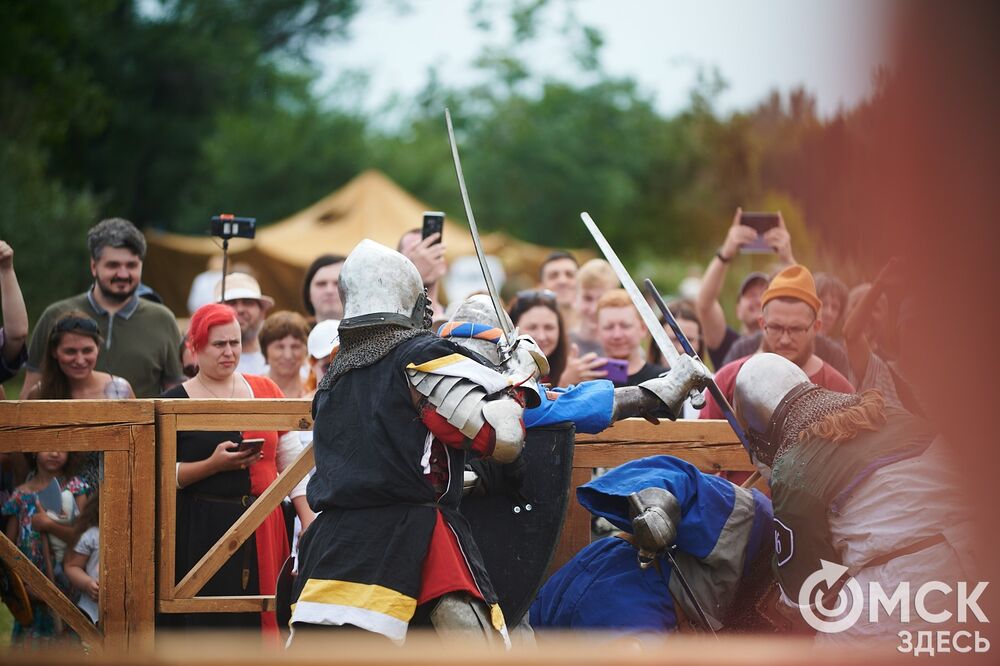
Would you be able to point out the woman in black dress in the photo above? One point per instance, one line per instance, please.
(217, 482)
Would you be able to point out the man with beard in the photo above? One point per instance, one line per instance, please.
(789, 317)
(243, 295)
(141, 338)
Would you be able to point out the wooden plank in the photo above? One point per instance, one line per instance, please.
(223, 421)
(297, 407)
(43, 588)
(576, 530)
(241, 530)
(69, 438)
(116, 538)
(714, 458)
(166, 438)
(709, 431)
(141, 592)
(245, 604)
(42, 413)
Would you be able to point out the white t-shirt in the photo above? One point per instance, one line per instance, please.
(253, 363)
(90, 545)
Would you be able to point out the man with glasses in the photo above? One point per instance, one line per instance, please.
(790, 321)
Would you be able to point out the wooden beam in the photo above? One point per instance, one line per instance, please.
(166, 438)
(44, 413)
(140, 594)
(709, 431)
(45, 590)
(297, 407)
(116, 539)
(223, 421)
(711, 458)
(576, 529)
(98, 437)
(244, 604)
(241, 530)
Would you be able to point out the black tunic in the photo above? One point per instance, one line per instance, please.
(378, 509)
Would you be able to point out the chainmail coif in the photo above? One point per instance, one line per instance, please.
(808, 409)
(362, 347)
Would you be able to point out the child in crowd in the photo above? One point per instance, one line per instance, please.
(83, 562)
(42, 534)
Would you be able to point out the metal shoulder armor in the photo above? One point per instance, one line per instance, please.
(464, 393)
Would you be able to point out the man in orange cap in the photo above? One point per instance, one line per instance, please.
(789, 317)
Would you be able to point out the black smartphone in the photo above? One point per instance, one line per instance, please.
(760, 222)
(252, 444)
(433, 224)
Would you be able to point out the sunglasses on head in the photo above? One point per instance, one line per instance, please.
(77, 324)
(546, 294)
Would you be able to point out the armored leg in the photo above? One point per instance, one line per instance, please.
(459, 616)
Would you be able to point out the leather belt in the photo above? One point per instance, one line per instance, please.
(915, 547)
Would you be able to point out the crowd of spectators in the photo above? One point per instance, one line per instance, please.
(110, 343)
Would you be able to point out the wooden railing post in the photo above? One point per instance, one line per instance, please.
(140, 596)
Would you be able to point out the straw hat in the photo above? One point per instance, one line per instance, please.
(241, 285)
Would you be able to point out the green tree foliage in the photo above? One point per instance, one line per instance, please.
(166, 112)
(110, 107)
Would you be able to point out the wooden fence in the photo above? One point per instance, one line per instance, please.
(139, 440)
(124, 431)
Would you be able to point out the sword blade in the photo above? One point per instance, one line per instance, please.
(652, 323)
(690, 593)
(508, 333)
(713, 388)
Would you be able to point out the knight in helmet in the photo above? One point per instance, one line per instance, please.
(395, 418)
(713, 529)
(862, 493)
(693, 554)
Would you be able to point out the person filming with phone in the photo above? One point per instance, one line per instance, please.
(621, 333)
(424, 247)
(753, 232)
(221, 473)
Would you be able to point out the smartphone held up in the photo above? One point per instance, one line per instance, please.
(761, 223)
(433, 224)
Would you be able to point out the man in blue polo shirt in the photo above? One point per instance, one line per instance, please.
(141, 338)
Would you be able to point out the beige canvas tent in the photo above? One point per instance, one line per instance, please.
(369, 206)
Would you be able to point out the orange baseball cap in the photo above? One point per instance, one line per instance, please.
(793, 282)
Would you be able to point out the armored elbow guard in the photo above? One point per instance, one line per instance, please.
(505, 416)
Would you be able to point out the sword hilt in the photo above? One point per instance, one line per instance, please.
(697, 398)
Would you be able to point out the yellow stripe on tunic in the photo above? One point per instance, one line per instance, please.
(434, 364)
(358, 595)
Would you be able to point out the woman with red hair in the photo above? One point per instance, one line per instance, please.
(218, 478)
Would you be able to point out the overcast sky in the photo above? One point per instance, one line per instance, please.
(829, 46)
